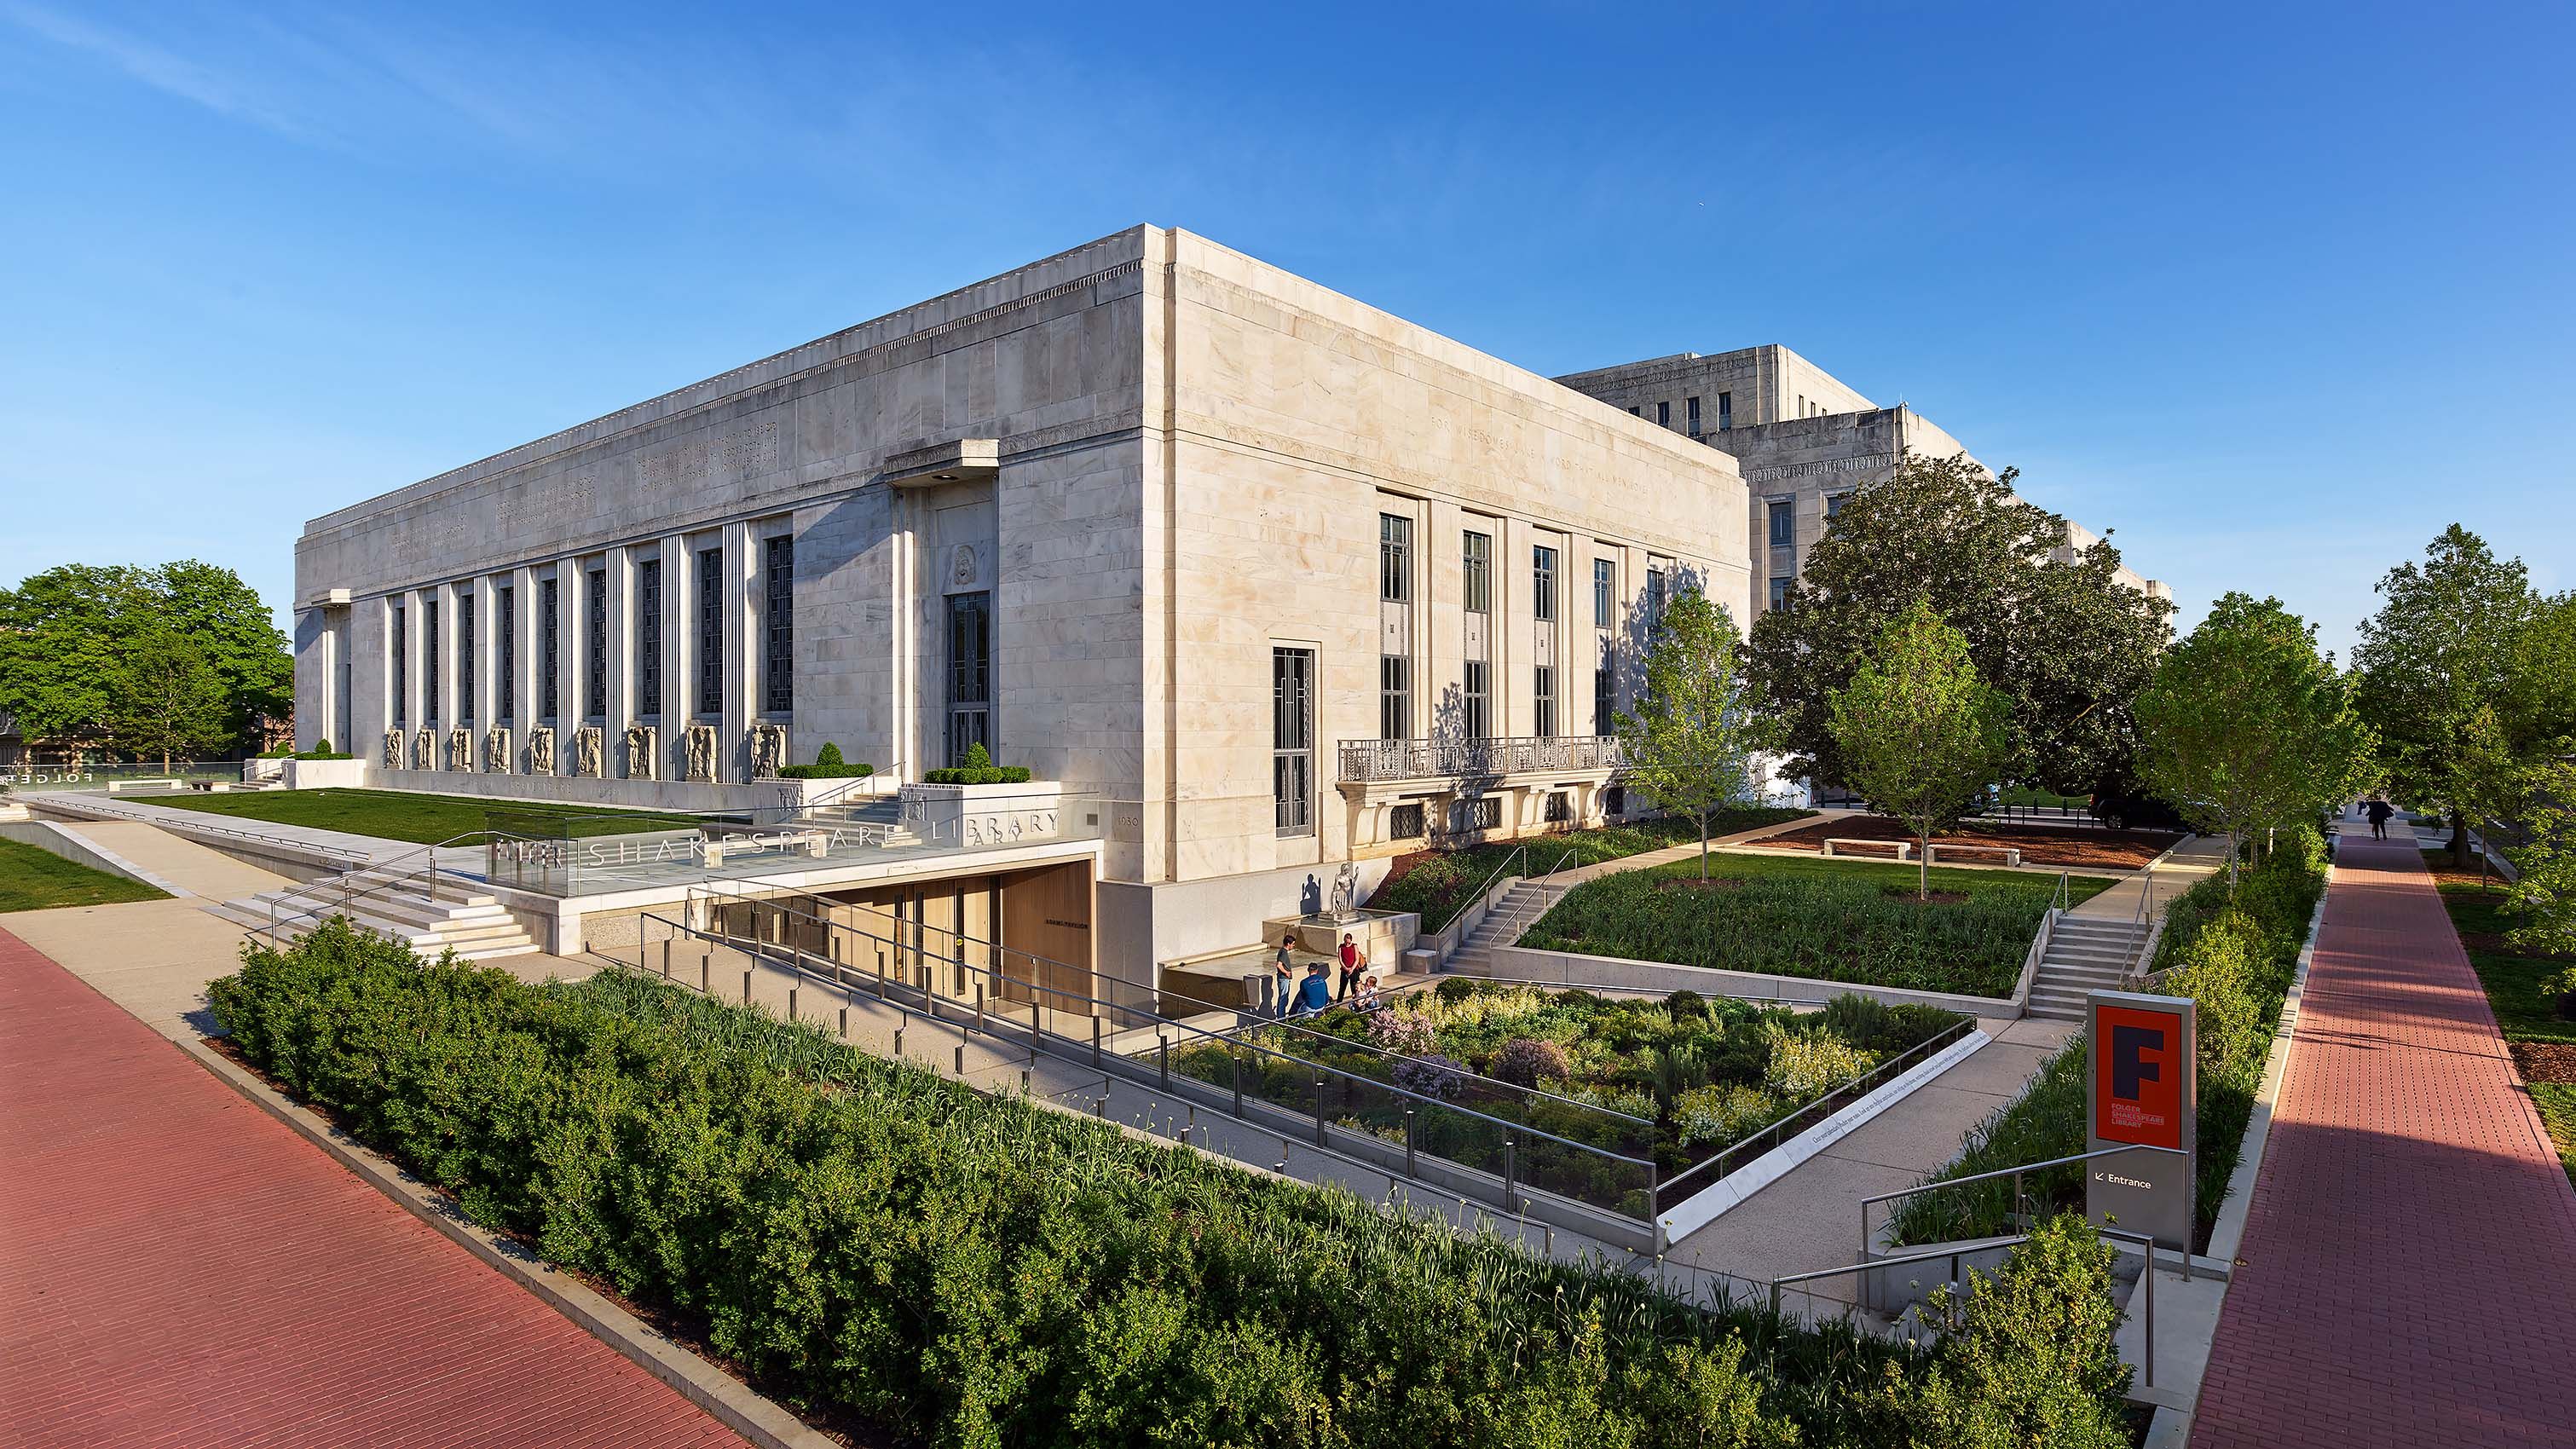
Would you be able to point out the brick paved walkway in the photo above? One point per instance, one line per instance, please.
(2410, 1253)
(179, 1268)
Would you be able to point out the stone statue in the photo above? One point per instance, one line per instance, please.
(460, 750)
(1346, 892)
(541, 749)
(496, 751)
(701, 745)
(424, 750)
(642, 746)
(768, 750)
(393, 749)
(586, 750)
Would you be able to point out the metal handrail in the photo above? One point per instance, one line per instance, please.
(1519, 853)
(1899, 1261)
(2015, 1173)
(1772, 1129)
(1068, 1001)
(208, 828)
(391, 881)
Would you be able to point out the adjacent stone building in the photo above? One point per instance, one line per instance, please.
(1803, 440)
(1283, 580)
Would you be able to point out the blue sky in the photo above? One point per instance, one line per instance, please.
(2274, 292)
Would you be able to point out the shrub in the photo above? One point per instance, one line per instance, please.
(1808, 1064)
(1408, 1032)
(2217, 972)
(1432, 1075)
(979, 769)
(1686, 1004)
(1523, 1060)
(947, 1267)
(828, 765)
(1719, 1115)
(830, 754)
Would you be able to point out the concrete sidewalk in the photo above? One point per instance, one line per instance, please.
(2409, 1264)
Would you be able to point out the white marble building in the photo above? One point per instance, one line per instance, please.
(1803, 438)
(1286, 580)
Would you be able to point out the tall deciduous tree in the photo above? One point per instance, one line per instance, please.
(1917, 731)
(66, 636)
(2443, 645)
(2543, 900)
(1687, 744)
(170, 700)
(2055, 631)
(2247, 727)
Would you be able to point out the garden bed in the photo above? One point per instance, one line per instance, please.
(1674, 1080)
(1832, 920)
(885, 1248)
(1440, 883)
(2063, 847)
(2542, 1041)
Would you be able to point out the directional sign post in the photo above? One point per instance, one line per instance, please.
(2142, 1091)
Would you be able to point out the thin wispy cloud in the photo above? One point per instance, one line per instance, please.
(153, 66)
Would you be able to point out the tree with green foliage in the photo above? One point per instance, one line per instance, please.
(2543, 899)
(169, 700)
(2247, 727)
(1918, 732)
(66, 636)
(1689, 744)
(2444, 644)
(2053, 629)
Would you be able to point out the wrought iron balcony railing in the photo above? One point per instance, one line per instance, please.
(1367, 761)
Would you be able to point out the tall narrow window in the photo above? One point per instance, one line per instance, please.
(1477, 721)
(1394, 558)
(1543, 584)
(710, 631)
(429, 657)
(1692, 404)
(508, 640)
(549, 646)
(1663, 415)
(648, 638)
(1784, 522)
(1476, 569)
(1605, 703)
(778, 625)
(595, 661)
(1834, 505)
(1725, 411)
(1292, 741)
(1394, 697)
(465, 657)
(1654, 598)
(1605, 594)
(401, 671)
(970, 674)
(1780, 592)
(1543, 701)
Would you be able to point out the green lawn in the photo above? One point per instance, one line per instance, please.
(1440, 883)
(421, 819)
(2557, 1103)
(35, 880)
(1839, 920)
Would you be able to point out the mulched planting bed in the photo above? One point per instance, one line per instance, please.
(2073, 847)
(2545, 1061)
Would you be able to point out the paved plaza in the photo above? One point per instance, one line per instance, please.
(181, 1269)
(2410, 1254)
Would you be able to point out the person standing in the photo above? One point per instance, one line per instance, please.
(1350, 968)
(1283, 971)
(2380, 810)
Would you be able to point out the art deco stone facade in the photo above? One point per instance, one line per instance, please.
(1129, 490)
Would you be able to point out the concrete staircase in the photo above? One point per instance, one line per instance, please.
(1517, 911)
(2084, 954)
(473, 924)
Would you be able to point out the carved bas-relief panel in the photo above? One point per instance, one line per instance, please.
(586, 751)
(460, 749)
(424, 751)
(768, 750)
(643, 746)
(393, 749)
(701, 743)
(496, 751)
(541, 749)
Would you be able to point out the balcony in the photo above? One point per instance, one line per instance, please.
(1367, 762)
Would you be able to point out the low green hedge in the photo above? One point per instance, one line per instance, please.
(979, 769)
(919, 1261)
(321, 751)
(2235, 958)
(828, 765)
